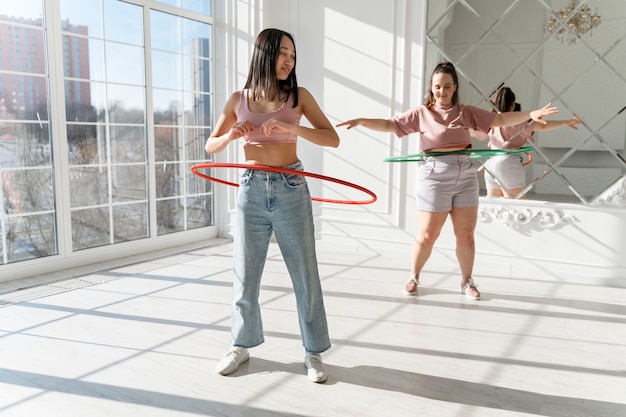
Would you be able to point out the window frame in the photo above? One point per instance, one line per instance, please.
(66, 257)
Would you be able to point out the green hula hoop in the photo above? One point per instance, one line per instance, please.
(473, 154)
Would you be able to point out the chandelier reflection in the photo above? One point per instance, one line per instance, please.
(580, 23)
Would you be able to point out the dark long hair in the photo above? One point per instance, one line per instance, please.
(505, 99)
(446, 68)
(262, 80)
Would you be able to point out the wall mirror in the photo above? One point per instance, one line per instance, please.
(545, 52)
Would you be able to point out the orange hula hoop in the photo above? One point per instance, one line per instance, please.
(529, 160)
(196, 167)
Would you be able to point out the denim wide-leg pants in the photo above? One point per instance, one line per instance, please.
(280, 203)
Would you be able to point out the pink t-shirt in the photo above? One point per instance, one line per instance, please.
(511, 137)
(443, 126)
(286, 113)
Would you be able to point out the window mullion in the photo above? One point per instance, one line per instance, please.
(152, 208)
(58, 126)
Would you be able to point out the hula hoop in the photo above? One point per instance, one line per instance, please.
(195, 169)
(473, 154)
(529, 159)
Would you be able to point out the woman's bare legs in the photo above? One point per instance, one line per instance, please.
(464, 224)
(513, 192)
(430, 224)
(497, 192)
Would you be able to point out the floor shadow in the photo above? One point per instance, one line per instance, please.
(447, 389)
(159, 400)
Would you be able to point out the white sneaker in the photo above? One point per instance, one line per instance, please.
(232, 359)
(317, 371)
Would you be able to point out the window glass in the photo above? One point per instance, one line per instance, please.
(28, 10)
(85, 101)
(123, 22)
(194, 147)
(24, 97)
(30, 237)
(168, 107)
(198, 6)
(126, 104)
(166, 31)
(167, 70)
(27, 205)
(128, 144)
(199, 71)
(84, 233)
(94, 178)
(83, 58)
(196, 38)
(197, 109)
(21, 46)
(129, 183)
(100, 117)
(86, 144)
(130, 222)
(171, 211)
(169, 184)
(181, 76)
(106, 123)
(124, 64)
(167, 143)
(83, 16)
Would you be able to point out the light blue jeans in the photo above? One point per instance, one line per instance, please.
(281, 203)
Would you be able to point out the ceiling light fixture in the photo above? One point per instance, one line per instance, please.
(578, 19)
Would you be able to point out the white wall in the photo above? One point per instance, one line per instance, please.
(365, 58)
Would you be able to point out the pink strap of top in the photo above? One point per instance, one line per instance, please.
(286, 113)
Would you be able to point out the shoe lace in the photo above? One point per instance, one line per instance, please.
(233, 353)
(315, 361)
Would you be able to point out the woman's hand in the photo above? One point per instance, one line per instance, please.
(538, 115)
(350, 123)
(274, 125)
(240, 129)
(574, 121)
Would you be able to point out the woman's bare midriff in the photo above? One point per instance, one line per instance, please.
(271, 154)
(448, 149)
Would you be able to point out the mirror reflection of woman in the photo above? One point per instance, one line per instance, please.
(510, 178)
(448, 184)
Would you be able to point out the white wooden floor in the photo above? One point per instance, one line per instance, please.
(143, 340)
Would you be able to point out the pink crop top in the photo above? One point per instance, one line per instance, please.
(286, 113)
(441, 126)
(511, 137)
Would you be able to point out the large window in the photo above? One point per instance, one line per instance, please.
(130, 119)
(27, 206)
(181, 58)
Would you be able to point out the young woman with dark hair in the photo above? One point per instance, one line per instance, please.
(265, 117)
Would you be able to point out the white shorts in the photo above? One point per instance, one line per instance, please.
(508, 169)
(446, 181)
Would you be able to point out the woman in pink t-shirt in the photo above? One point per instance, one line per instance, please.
(447, 184)
(504, 174)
